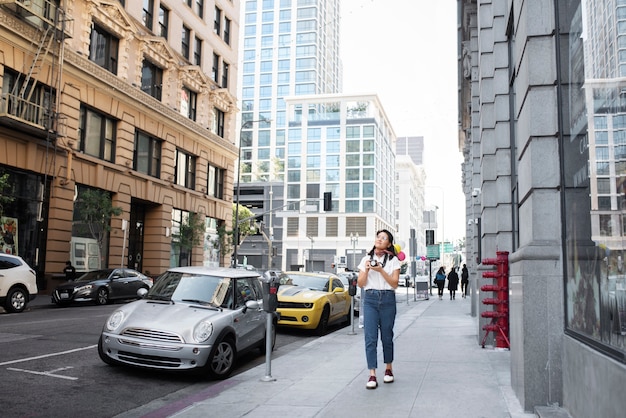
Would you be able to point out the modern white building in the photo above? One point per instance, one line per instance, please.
(343, 145)
(410, 202)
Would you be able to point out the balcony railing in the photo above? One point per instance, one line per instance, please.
(40, 13)
(21, 110)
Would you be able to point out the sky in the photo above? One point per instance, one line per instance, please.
(406, 53)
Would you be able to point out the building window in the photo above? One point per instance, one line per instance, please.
(185, 170)
(200, 8)
(197, 52)
(292, 227)
(215, 181)
(148, 14)
(188, 103)
(215, 68)
(227, 30)
(312, 227)
(164, 17)
(218, 122)
(97, 134)
(103, 49)
(147, 154)
(332, 227)
(225, 68)
(217, 22)
(151, 79)
(186, 39)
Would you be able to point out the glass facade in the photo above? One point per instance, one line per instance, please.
(593, 151)
(285, 46)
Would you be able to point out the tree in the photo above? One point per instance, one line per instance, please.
(190, 234)
(6, 190)
(246, 227)
(95, 210)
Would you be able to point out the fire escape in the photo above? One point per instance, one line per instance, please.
(31, 106)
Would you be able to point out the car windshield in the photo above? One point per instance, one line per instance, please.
(312, 282)
(189, 287)
(94, 275)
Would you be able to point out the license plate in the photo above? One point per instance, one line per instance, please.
(64, 295)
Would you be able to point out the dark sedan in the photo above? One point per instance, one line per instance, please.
(102, 287)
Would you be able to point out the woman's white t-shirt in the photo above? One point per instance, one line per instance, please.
(375, 280)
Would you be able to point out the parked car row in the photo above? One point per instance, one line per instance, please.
(194, 319)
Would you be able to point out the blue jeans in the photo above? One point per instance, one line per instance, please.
(379, 312)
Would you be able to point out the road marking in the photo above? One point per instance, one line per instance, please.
(89, 347)
(50, 373)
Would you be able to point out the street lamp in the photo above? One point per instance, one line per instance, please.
(354, 240)
(246, 124)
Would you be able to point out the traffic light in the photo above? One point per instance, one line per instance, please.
(430, 237)
(328, 201)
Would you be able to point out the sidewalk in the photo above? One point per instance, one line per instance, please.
(440, 371)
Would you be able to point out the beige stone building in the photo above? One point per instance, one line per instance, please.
(135, 99)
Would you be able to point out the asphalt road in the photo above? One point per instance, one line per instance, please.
(49, 367)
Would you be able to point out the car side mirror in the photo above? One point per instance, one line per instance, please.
(141, 292)
(251, 304)
(339, 290)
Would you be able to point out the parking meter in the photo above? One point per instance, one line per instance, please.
(352, 285)
(270, 292)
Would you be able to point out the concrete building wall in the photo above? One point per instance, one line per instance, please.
(510, 113)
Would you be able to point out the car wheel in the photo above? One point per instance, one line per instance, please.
(322, 326)
(103, 356)
(102, 296)
(16, 300)
(263, 346)
(222, 359)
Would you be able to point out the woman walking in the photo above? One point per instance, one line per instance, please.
(453, 282)
(379, 272)
(440, 281)
(464, 281)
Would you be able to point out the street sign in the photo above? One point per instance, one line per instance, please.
(432, 251)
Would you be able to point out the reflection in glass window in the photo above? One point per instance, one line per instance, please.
(352, 206)
(293, 175)
(332, 161)
(352, 174)
(602, 153)
(293, 191)
(353, 160)
(604, 186)
(313, 176)
(332, 175)
(353, 190)
(605, 225)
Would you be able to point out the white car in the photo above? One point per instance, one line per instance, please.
(404, 280)
(18, 283)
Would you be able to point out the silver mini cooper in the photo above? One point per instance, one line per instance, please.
(192, 318)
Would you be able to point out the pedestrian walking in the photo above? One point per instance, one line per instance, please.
(464, 281)
(440, 281)
(70, 271)
(453, 282)
(379, 272)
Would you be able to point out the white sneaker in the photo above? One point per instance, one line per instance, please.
(388, 376)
